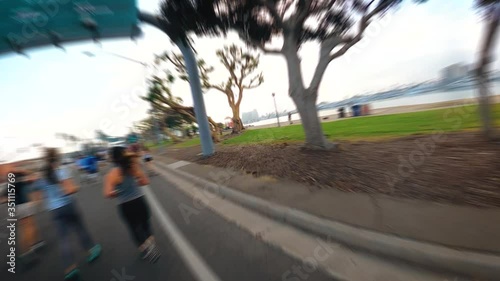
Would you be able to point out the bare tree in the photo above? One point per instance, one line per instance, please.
(240, 65)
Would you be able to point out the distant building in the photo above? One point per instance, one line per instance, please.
(454, 72)
(250, 117)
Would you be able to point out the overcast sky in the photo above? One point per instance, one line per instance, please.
(55, 91)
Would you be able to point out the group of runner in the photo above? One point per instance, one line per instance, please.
(54, 186)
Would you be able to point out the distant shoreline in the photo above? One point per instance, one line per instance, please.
(389, 110)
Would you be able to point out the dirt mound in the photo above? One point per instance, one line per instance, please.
(459, 168)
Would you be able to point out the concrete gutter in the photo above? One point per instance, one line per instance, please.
(433, 256)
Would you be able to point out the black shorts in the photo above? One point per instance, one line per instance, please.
(137, 216)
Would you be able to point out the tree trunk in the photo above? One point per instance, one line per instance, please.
(216, 136)
(237, 123)
(306, 106)
(216, 131)
(305, 102)
(485, 107)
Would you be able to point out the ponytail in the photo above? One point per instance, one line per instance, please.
(122, 160)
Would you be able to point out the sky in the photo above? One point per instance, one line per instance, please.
(66, 91)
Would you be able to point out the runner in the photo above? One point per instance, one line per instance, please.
(80, 164)
(92, 167)
(123, 183)
(89, 169)
(58, 188)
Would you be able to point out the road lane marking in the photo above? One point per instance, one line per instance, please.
(190, 256)
(178, 164)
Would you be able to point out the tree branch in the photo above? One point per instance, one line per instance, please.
(230, 100)
(240, 97)
(329, 44)
(364, 23)
(286, 6)
(224, 91)
(259, 45)
(259, 78)
(228, 65)
(326, 47)
(243, 72)
(270, 51)
(265, 50)
(304, 7)
(273, 11)
(219, 88)
(250, 86)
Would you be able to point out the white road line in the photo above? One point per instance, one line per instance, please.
(178, 164)
(192, 259)
(334, 259)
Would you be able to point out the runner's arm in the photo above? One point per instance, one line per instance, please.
(109, 185)
(67, 182)
(142, 179)
(69, 186)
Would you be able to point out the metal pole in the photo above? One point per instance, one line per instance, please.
(276, 108)
(207, 146)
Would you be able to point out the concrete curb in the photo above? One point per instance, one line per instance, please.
(425, 254)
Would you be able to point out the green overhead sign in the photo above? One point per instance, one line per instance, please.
(132, 138)
(33, 23)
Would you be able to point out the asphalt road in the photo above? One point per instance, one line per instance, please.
(220, 247)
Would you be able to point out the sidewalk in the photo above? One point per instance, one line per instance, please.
(459, 227)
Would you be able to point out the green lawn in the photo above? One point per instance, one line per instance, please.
(372, 127)
(191, 142)
(154, 145)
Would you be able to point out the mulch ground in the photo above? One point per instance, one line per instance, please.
(458, 168)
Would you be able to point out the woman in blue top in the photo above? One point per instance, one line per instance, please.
(58, 188)
(123, 183)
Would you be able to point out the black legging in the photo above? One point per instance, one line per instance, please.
(136, 214)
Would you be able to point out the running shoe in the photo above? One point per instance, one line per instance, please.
(73, 275)
(152, 254)
(94, 253)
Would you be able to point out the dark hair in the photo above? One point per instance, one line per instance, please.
(119, 157)
(51, 160)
